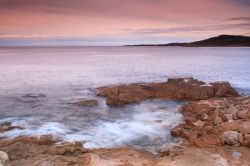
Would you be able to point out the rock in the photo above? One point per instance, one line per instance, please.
(8, 126)
(246, 101)
(231, 138)
(31, 95)
(223, 89)
(87, 103)
(4, 158)
(199, 124)
(242, 114)
(41, 150)
(246, 140)
(203, 117)
(245, 127)
(218, 120)
(175, 131)
(227, 126)
(231, 110)
(208, 140)
(95, 160)
(174, 88)
(33, 99)
(227, 117)
(212, 115)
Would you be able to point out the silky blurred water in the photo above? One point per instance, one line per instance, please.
(37, 85)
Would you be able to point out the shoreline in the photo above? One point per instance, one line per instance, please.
(216, 120)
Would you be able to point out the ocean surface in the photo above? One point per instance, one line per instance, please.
(38, 85)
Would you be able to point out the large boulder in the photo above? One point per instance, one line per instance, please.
(174, 88)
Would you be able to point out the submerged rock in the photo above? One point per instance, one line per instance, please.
(86, 103)
(32, 95)
(31, 99)
(8, 126)
(174, 88)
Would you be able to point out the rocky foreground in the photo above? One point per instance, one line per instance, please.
(44, 151)
(215, 131)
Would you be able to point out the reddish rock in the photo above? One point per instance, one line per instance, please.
(209, 140)
(246, 140)
(218, 120)
(245, 127)
(86, 103)
(223, 89)
(41, 150)
(219, 127)
(174, 88)
(227, 117)
(242, 114)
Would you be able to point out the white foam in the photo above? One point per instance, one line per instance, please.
(52, 128)
(147, 126)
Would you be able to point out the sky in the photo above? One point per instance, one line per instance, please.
(119, 22)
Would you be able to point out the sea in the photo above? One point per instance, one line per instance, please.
(39, 84)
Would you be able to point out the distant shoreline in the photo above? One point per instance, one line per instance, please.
(218, 41)
(78, 47)
(156, 45)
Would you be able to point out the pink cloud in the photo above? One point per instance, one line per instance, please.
(94, 18)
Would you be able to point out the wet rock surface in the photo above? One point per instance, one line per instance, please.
(8, 126)
(174, 88)
(222, 124)
(86, 103)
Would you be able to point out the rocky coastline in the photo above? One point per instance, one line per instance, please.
(215, 130)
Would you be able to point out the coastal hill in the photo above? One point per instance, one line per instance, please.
(218, 41)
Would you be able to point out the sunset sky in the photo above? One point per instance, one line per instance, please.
(119, 22)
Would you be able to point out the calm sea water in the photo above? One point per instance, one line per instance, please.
(38, 83)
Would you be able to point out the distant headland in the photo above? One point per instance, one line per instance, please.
(218, 41)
